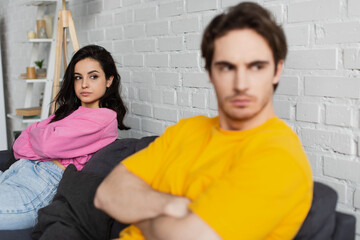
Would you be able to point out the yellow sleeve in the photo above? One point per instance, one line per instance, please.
(257, 196)
(147, 162)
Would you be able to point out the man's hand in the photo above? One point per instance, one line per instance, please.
(177, 207)
(129, 199)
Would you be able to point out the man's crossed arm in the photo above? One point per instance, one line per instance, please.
(129, 199)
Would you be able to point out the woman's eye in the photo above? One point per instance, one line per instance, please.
(77, 77)
(93, 76)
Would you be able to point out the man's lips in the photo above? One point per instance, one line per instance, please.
(240, 102)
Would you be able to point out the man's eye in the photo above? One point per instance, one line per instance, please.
(257, 67)
(225, 68)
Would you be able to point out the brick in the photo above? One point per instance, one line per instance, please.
(200, 80)
(282, 109)
(152, 126)
(312, 59)
(111, 4)
(132, 93)
(353, 8)
(184, 60)
(278, 11)
(213, 101)
(357, 198)
(196, 5)
(134, 31)
(343, 32)
(339, 115)
(193, 41)
(85, 22)
(95, 7)
(167, 114)
(313, 10)
(171, 44)
(144, 95)
(157, 60)
(342, 169)
(230, 3)
(104, 20)
(167, 79)
(130, 2)
(125, 76)
(308, 112)
(141, 109)
(114, 33)
(124, 134)
(132, 122)
(133, 60)
(183, 98)
(325, 139)
(144, 45)
(351, 58)
(145, 14)
(156, 96)
(169, 97)
(199, 100)
(315, 163)
(185, 25)
(142, 77)
(192, 113)
(171, 9)
(332, 87)
(123, 46)
(207, 18)
(157, 28)
(297, 35)
(121, 18)
(288, 85)
(96, 35)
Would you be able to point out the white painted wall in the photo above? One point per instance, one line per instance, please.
(156, 45)
(3, 131)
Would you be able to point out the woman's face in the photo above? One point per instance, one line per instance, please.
(90, 82)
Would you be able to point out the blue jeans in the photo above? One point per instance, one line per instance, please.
(26, 187)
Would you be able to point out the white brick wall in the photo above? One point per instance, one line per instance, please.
(156, 45)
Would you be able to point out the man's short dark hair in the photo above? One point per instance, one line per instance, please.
(246, 15)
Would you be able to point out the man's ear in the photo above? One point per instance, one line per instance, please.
(279, 70)
(109, 81)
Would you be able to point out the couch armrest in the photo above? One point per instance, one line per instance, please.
(4, 157)
(345, 227)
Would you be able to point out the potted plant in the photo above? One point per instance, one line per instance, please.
(40, 71)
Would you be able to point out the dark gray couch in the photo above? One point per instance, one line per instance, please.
(322, 223)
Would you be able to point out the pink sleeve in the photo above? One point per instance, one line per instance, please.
(81, 133)
(22, 147)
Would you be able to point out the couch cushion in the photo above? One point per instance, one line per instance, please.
(320, 221)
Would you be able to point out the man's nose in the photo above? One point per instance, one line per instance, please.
(241, 82)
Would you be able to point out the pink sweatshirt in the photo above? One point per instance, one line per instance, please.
(72, 140)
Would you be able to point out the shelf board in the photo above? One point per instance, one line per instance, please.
(41, 40)
(37, 80)
(24, 120)
(40, 2)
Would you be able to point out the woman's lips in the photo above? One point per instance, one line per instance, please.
(85, 94)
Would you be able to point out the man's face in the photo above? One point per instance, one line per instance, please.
(243, 74)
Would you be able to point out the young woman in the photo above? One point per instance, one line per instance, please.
(89, 113)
